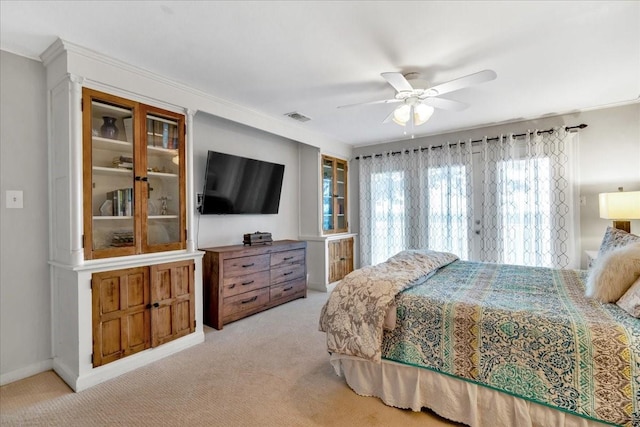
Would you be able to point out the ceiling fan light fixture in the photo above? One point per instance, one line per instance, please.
(421, 113)
(401, 114)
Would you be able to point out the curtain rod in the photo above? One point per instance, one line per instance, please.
(495, 138)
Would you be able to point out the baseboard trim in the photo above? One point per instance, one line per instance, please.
(114, 369)
(26, 372)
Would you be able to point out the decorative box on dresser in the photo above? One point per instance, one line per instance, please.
(126, 280)
(241, 280)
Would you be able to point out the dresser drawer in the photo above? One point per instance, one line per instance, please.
(245, 301)
(287, 257)
(286, 273)
(245, 265)
(288, 289)
(249, 282)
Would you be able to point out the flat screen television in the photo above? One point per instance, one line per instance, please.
(239, 185)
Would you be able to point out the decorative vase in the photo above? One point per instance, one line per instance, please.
(108, 128)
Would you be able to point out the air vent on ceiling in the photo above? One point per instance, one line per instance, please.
(297, 116)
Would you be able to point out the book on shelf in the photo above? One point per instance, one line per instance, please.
(122, 201)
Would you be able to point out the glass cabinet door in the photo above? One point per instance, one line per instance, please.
(327, 194)
(340, 195)
(134, 177)
(163, 210)
(334, 195)
(109, 159)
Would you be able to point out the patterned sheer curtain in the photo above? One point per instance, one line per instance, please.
(416, 199)
(528, 204)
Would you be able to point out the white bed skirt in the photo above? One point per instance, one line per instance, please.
(409, 387)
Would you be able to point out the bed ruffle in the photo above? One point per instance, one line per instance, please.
(408, 387)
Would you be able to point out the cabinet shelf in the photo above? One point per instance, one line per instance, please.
(160, 151)
(162, 174)
(162, 216)
(111, 217)
(102, 170)
(101, 143)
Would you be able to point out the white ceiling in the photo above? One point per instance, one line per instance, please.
(551, 57)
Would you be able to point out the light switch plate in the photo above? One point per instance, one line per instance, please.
(14, 199)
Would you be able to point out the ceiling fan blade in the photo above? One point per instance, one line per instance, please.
(398, 81)
(384, 101)
(445, 104)
(389, 117)
(462, 82)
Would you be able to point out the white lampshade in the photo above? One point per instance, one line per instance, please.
(621, 205)
(421, 113)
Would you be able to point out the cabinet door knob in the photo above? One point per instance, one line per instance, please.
(155, 304)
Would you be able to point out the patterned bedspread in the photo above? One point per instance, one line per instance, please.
(526, 331)
(354, 314)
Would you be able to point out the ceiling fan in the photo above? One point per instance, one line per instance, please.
(419, 100)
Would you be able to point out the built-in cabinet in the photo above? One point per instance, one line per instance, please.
(126, 279)
(324, 217)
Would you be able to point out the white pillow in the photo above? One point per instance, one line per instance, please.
(630, 301)
(613, 273)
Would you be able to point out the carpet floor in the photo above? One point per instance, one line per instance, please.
(270, 369)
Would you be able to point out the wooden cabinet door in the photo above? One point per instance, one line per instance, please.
(340, 258)
(121, 321)
(173, 301)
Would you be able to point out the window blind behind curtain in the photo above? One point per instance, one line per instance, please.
(423, 198)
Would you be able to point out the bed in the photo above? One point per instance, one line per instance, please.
(485, 344)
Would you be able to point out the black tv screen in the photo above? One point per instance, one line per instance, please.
(239, 185)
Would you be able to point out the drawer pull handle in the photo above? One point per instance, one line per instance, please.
(249, 300)
(288, 289)
(287, 258)
(247, 283)
(233, 285)
(248, 265)
(286, 274)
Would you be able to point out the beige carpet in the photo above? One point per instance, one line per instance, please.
(270, 369)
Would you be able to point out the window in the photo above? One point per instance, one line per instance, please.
(448, 210)
(387, 215)
(524, 209)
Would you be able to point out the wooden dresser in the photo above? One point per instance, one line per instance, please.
(240, 280)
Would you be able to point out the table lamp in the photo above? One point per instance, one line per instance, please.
(620, 207)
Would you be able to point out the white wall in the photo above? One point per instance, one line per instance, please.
(25, 297)
(609, 157)
(217, 134)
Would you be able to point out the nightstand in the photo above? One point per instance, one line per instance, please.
(591, 257)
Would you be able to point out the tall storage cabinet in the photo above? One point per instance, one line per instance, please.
(125, 275)
(324, 217)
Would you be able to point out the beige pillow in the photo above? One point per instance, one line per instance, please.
(630, 301)
(613, 273)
